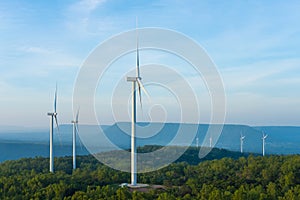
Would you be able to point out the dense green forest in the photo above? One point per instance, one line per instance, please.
(222, 175)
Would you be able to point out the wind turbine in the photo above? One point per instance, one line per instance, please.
(75, 129)
(135, 80)
(263, 144)
(210, 142)
(197, 142)
(52, 115)
(242, 142)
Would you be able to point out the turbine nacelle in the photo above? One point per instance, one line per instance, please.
(134, 79)
(52, 114)
(264, 137)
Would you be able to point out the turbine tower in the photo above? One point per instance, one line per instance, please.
(75, 129)
(242, 142)
(52, 115)
(197, 142)
(135, 80)
(263, 143)
(210, 142)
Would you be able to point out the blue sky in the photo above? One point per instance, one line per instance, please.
(254, 44)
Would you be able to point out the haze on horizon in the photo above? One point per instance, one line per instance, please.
(255, 46)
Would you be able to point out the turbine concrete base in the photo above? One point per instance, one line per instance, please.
(138, 185)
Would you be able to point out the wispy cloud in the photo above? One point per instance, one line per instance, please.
(36, 50)
(86, 6)
(258, 74)
(80, 18)
(254, 44)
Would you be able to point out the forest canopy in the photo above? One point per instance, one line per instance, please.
(230, 176)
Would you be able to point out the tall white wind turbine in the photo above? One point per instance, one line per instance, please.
(135, 80)
(52, 115)
(75, 130)
(263, 143)
(242, 138)
(210, 142)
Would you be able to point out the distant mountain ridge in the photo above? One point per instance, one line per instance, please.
(281, 139)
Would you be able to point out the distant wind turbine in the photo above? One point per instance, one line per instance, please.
(75, 130)
(197, 142)
(210, 142)
(52, 115)
(242, 142)
(135, 80)
(263, 143)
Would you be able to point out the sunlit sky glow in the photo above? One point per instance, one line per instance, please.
(254, 44)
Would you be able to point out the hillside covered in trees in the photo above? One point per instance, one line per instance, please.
(230, 176)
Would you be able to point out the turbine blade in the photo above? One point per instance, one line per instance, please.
(137, 53)
(140, 96)
(55, 117)
(55, 99)
(58, 132)
(137, 64)
(77, 131)
(76, 128)
(80, 144)
(77, 115)
(143, 88)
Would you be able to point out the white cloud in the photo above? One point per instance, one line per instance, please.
(49, 57)
(81, 20)
(35, 49)
(86, 6)
(258, 73)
